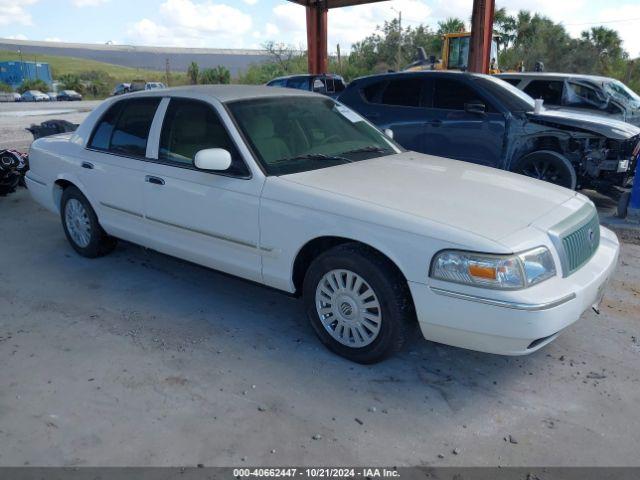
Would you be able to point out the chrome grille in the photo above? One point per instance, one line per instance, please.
(577, 238)
(579, 246)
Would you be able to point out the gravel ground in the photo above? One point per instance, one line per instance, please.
(141, 359)
(16, 117)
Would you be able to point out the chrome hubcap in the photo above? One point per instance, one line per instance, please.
(348, 308)
(78, 224)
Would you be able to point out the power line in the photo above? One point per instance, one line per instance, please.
(601, 23)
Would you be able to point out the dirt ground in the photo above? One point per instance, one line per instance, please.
(141, 359)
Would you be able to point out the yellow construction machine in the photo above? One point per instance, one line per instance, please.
(455, 54)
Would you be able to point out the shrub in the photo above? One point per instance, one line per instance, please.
(5, 87)
(220, 74)
(33, 85)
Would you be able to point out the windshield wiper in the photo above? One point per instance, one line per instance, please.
(370, 148)
(316, 156)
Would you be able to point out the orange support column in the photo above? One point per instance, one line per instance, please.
(481, 35)
(317, 38)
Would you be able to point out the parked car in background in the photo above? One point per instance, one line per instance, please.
(35, 96)
(121, 88)
(69, 96)
(53, 96)
(154, 85)
(326, 84)
(374, 238)
(580, 93)
(10, 97)
(482, 119)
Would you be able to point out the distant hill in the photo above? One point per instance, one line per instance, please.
(133, 57)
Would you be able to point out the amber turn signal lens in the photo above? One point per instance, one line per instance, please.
(482, 272)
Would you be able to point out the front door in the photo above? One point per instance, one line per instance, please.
(210, 218)
(455, 133)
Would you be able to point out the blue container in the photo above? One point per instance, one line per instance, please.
(14, 73)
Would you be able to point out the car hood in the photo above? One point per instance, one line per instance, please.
(607, 127)
(486, 201)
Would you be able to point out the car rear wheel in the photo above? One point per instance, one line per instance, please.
(548, 166)
(81, 226)
(358, 303)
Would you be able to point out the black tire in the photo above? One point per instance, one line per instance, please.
(548, 166)
(390, 288)
(99, 243)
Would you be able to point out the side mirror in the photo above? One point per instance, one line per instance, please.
(389, 133)
(477, 108)
(214, 159)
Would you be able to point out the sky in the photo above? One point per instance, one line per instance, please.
(250, 23)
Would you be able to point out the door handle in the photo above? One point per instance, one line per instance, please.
(87, 165)
(154, 180)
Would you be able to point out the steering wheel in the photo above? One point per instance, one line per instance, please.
(329, 138)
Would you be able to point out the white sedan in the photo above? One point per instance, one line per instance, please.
(295, 191)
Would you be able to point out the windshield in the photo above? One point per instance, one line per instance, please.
(511, 97)
(621, 92)
(297, 134)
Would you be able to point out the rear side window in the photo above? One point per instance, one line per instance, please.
(301, 83)
(453, 95)
(124, 129)
(190, 126)
(403, 92)
(549, 91)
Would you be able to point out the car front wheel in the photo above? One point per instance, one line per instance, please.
(81, 226)
(548, 166)
(358, 303)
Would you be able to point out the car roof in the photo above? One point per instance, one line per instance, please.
(554, 75)
(227, 93)
(417, 73)
(301, 75)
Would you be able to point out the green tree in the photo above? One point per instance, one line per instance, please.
(451, 25)
(4, 87)
(219, 74)
(193, 73)
(33, 85)
(71, 82)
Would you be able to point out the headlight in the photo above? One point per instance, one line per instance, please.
(509, 272)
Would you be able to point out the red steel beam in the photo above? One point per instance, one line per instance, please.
(481, 35)
(317, 38)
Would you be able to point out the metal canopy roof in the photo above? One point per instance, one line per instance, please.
(333, 3)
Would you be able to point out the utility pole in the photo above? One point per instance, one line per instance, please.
(340, 60)
(167, 70)
(399, 54)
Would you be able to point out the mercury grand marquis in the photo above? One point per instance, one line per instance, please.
(297, 192)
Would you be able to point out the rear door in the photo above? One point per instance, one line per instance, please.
(398, 104)
(454, 132)
(210, 218)
(113, 166)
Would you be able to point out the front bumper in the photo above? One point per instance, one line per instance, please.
(516, 322)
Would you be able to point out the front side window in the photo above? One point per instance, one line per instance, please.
(293, 134)
(453, 95)
(124, 129)
(190, 126)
